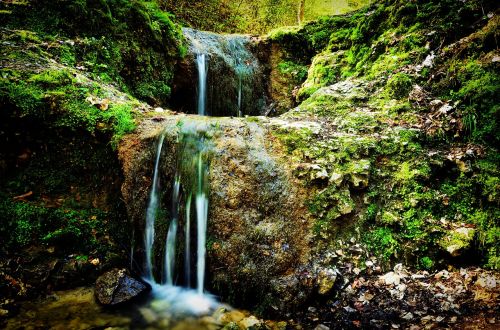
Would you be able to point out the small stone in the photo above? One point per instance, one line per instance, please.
(321, 327)
(326, 280)
(391, 278)
(312, 309)
(158, 109)
(321, 174)
(336, 178)
(249, 322)
(408, 316)
(117, 286)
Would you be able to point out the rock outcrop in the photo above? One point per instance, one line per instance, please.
(117, 286)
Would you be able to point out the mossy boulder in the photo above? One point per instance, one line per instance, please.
(458, 241)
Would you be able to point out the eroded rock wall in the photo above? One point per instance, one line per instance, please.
(258, 226)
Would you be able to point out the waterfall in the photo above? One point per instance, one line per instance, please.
(201, 215)
(151, 214)
(230, 76)
(189, 193)
(201, 64)
(187, 249)
(172, 234)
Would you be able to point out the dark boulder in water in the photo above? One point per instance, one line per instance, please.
(117, 286)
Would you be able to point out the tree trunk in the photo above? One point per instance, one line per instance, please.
(300, 12)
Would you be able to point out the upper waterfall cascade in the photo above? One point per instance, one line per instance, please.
(230, 76)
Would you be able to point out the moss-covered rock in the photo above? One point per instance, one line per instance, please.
(458, 240)
(132, 44)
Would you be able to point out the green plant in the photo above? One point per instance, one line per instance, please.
(383, 241)
(426, 263)
(399, 85)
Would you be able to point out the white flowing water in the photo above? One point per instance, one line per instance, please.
(170, 246)
(190, 182)
(151, 214)
(201, 215)
(202, 65)
(187, 249)
(229, 74)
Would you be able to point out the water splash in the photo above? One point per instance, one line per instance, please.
(179, 301)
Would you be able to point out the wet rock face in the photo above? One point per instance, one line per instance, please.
(117, 286)
(258, 227)
(232, 68)
(258, 223)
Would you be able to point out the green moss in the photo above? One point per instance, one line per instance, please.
(26, 96)
(399, 85)
(426, 263)
(25, 224)
(382, 240)
(405, 173)
(479, 90)
(122, 121)
(133, 44)
(52, 78)
(294, 70)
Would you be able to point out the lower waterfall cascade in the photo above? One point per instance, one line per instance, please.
(190, 184)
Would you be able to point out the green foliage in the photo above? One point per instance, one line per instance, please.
(59, 99)
(296, 71)
(479, 90)
(26, 96)
(25, 224)
(52, 78)
(133, 44)
(121, 118)
(426, 263)
(301, 43)
(399, 85)
(382, 240)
